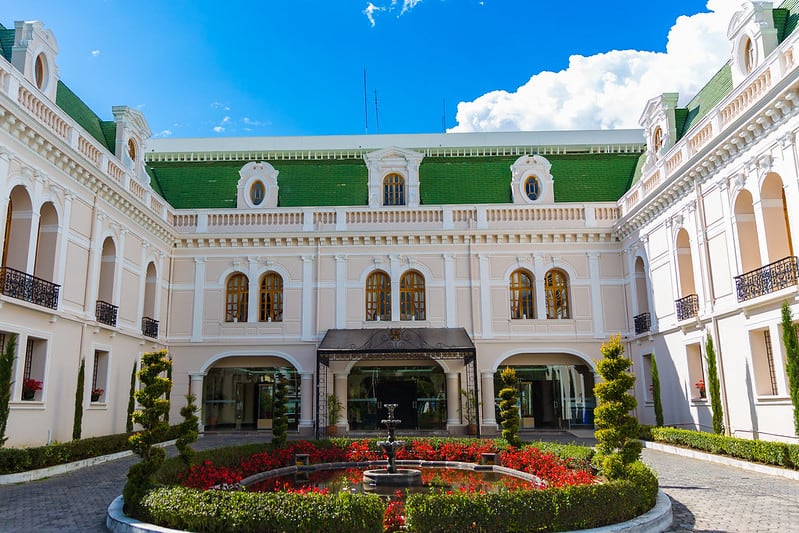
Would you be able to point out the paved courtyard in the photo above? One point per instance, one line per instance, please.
(705, 496)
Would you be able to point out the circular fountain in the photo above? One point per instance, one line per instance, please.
(392, 476)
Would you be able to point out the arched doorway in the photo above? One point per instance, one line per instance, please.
(555, 390)
(239, 393)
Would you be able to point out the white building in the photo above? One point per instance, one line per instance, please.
(402, 268)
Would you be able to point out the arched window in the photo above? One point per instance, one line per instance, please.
(657, 141)
(749, 55)
(257, 192)
(270, 305)
(556, 291)
(378, 296)
(521, 295)
(236, 298)
(394, 190)
(412, 296)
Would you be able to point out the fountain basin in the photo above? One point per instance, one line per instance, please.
(403, 477)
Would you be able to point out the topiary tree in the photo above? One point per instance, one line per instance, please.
(713, 387)
(77, 422)
(617, 430)
(7, 357)
(280, 422)
(154, 400)
(789, 339)
(509, 410)
(188, 430)
(656, 393)
(131, 400)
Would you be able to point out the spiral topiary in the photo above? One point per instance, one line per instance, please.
(509, 410)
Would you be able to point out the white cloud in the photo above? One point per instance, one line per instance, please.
(370, 11)
(163, 133)
(609, 90)
(407, 5)
(219, 129)
(95, 53)
(220, 105)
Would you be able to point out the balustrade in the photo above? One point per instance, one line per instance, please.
(149, 327)
(767, 279)
(643, 323)
(687, 307)
(28, 288)
(106, 313)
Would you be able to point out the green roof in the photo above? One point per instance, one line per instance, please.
(103, 131)
(442, 180)
(786, 18)
(714, 91)
(6, 42)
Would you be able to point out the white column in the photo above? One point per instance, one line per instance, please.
(142, 280)
(450, 303)
(199, 299)
(487, 410)
(341, 291)
(485, 297)
(539, 294)
(254, 296)
(306, 400)
(61, 259)
(159, 270)
(395, 273)
(453, 399)
(196, 388)
(790, 185)
(307, 298)
(340, 387)
(596, 295)
(94, 264)
(33, 241)
(119, 266)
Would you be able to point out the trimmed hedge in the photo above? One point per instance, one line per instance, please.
(13, 460)
(569, 508)
(213, 510)
(759, 451)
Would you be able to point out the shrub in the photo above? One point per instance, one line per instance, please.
(714, 387)
(656, 392)
(188, 430)
(131, 400)
(194, 510)
(789, 339)
(280, 423)
(7, 357)
(509, 411)
(617, 429)
(77, 422)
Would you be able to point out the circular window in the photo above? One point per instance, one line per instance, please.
(132, 149)
(749, 55)
(257, 192)
(532, 188)
(40, 71)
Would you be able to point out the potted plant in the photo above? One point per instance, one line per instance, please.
(29, 388)
(700, 386)
(469, 410)
(96, 393)
(334, 409)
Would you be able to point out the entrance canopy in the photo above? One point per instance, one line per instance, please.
(396, 343)
(387, 344)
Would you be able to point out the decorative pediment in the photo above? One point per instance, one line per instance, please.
(257, 186)
(132, 132)
(660, 126)
(393, 161)
(34, 53)
(753, 37)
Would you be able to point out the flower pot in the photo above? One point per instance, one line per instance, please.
(332, 431)
(95, 397)
(471, 429)
(28, 395)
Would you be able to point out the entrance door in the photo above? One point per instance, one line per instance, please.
(402, 393)
(544, 408)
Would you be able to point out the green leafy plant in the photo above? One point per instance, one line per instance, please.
(509, 410)
(154, 399)
(188, 430)
(77, 422)
(617, 430)
(789, 339)
(656, 392)
(7, 357)
(334, 409)
(280, 421)
(714, 388)
(470, 404)
(131, 400)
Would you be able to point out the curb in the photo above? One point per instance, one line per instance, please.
(41, 473)
(723, 460)
(658, 518)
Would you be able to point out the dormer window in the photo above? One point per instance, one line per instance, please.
(749, 55)
(532, 188)
(40, 71)
(257, 192)
(394, 190)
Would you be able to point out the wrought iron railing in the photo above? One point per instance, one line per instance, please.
(643, 322)
(22, 286)
(149, 327)
(767, 279)
(687, 307)
(106, 313)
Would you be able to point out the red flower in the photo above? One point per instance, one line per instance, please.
(31, 385)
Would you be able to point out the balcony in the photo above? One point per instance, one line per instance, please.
(687, 307)
(643, 323)
(106, 313)
(28, 288)
(767, 279)
(149, 327)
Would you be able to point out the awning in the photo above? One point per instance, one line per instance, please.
(396, 343)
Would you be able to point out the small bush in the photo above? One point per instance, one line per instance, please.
(194, 510)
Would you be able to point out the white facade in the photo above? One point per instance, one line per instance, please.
(709, 204)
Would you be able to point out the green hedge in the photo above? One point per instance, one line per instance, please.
(13, 460)
(570, 508)
(760, 451)
(209, 511)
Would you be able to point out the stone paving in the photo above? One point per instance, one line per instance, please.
(706, 497)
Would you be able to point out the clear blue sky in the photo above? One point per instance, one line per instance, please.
(295, 67)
